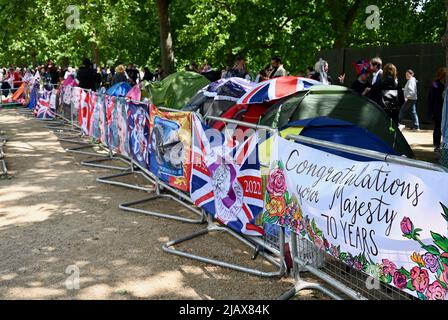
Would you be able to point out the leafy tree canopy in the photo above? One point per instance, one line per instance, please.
(112, 31)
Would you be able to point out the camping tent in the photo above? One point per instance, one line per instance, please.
(254, 104)
(337, 131)
(338, 103)
(219, 96)
(175, 90)
(120, 89)
(331, 130)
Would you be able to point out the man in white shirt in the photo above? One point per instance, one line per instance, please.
(410, 95)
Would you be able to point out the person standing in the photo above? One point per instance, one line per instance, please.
(435, 106)
(361, 83)
(239, 70)
(120, 75)
(86, 75)
(410, 96)
(277, 68)
(387, 93)
(147, 74)
(376, 65)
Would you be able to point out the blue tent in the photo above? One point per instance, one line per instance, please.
(341, 132)
(120, 89)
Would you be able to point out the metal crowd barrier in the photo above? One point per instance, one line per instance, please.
(160, 192)
(3, 168)
(267, 247)
(74, 131)
(346, 280)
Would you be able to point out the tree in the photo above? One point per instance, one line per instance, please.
(166, 41)
(343, 15)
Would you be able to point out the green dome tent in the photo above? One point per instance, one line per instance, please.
(175, 90)
(338, 103)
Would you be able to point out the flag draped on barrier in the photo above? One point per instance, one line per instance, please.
(170, 151)
(117, 125)
(43, 109)
(138, 128)
(97, 119)
(225, 181)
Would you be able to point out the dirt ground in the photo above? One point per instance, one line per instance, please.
(55, 219)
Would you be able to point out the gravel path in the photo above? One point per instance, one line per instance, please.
(54, 216)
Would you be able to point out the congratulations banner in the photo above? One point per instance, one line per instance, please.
(171, 147)
(387, 220)
(138, 128)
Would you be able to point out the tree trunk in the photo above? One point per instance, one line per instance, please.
(166, 41)
(34, 59)
(96, 54)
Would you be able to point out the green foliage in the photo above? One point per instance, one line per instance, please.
(220, 30)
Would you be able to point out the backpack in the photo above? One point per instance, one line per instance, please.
(390, 100)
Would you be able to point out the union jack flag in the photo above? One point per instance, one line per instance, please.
(225, 181)
(43, 109)
(277, 88)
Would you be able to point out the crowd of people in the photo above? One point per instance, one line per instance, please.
(373, 80)
(87, 75)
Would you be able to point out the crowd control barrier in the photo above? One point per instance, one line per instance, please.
(264, 247)
(337, 279)
(3, 168)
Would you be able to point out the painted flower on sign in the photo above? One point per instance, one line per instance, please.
(436, 291)
(406, 226)
(389, 268)
(400, 280)
(420, 279)
(431, 262)
(276, 182)
(276, 206)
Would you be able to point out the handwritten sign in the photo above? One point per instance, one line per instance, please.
(387, 220)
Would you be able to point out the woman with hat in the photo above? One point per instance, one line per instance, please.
(120, 75)
(361, 84)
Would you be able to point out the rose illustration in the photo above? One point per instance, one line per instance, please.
(319, 243)
(444, 275)
(400, 280)
(431, 262)
(357, 265)
(276, 182)
(420, 279)
(326, 244)
(389, 267)
(436, 291)
(276, 207)
(334, 251)
(406, 226)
